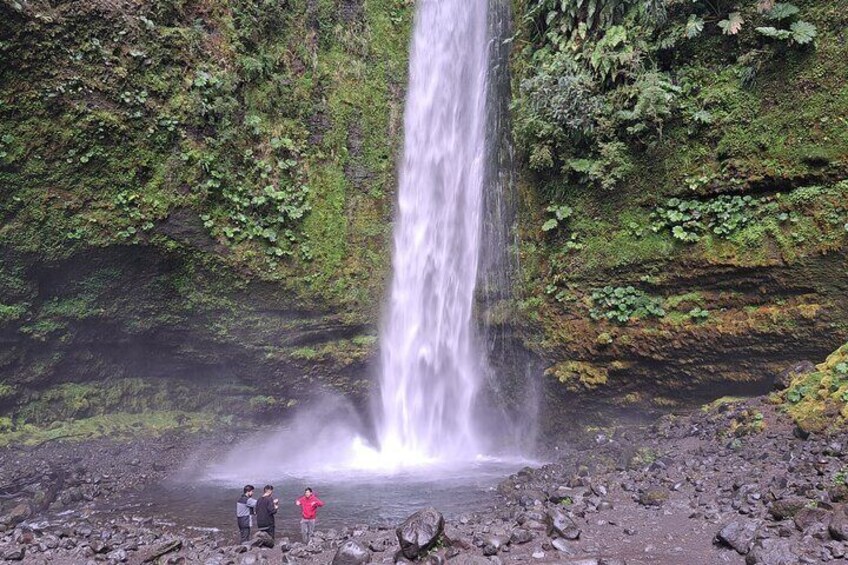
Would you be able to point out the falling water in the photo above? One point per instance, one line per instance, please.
(430, 363)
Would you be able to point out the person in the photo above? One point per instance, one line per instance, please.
(309, 504)
(245, 507)
(266, 507)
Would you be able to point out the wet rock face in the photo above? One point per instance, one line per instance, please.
(420, 532)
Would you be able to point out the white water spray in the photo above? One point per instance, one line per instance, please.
(430, 365)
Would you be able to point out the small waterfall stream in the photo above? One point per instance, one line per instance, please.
(431, 369)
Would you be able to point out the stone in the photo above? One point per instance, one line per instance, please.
(738, 535)
(838, 493)
(352, 552)
(420, 532)
(262, 539)
(15, 554)
(653, 496)
(562, 545)
(812, 518)
(772, 552)
(118, 555)
(378, 546)
(18, 514)
(786, 507)
(520, 536)
(838, 526)
(561, 525)
(162, 549)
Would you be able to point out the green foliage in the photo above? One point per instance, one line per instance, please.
(622, 304)
(590, 86)
(689, 220)
(11, 312)
(558, 214)
(699, 314)
(234, 115)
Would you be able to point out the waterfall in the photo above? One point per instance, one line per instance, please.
(430, 360)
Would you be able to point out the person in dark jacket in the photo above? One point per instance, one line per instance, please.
(245, 506)
(266, 508)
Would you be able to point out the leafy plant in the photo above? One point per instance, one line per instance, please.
(621, 304)
(699, 314)
(689, 220)
(732, 24)
(559, 214)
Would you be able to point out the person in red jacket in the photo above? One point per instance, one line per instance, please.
(309, 504)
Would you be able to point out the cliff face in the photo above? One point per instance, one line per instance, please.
(197, 198)
(196, 209)
(685, 228)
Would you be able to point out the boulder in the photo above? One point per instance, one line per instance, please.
(838, 526)
(15, 554)
(520, 536)
(653, 496)
(420, 532)
(560, 525)
(772, 552)
(262, 539)
(787, 507)
(738, 535)
(812, 518)
(562, 545)
(352, 552)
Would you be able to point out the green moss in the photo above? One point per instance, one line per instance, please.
(579, 374)
(819, 400)
(115, 425)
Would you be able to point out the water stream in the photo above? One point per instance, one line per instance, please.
(431, 364)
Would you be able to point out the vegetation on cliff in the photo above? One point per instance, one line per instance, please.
(685, 170)
(196, 201)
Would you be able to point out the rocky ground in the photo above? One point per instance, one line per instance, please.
(738, 483)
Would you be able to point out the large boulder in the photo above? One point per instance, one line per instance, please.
(352, 552)
(420, 532)
(772, 552)
(738, 535)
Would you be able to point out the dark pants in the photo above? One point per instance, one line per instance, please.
(268, 528)
(244, 528)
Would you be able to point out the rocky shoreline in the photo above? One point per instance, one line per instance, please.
(738, 483)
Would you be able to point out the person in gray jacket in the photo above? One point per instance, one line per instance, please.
(245, 506)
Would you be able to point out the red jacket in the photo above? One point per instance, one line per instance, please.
(309, 506)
